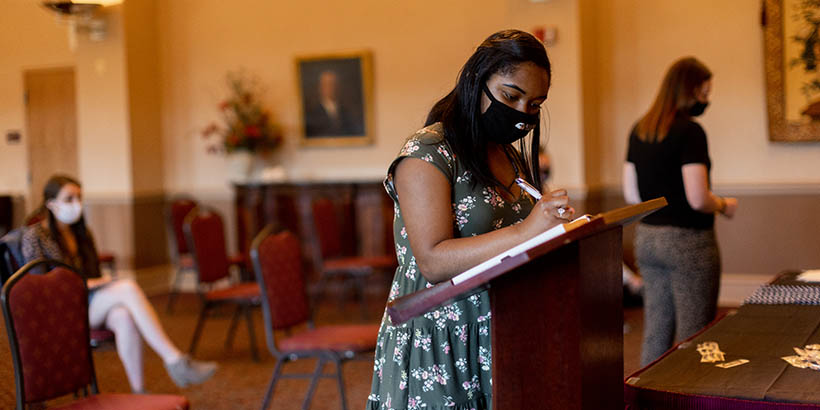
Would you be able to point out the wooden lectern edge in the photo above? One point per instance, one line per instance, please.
(407, 307)
(629, 214)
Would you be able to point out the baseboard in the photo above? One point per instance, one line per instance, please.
(736, 287)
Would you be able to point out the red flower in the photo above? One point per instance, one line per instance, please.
(247, 125)
(253, 131)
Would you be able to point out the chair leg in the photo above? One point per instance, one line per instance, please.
(169, 308)
(203, 314)
(269, 394)
(313, 381)
(232, 327)
(360, 283)
(341, 383)
(319, 289)
(251, 333)
(174, 291)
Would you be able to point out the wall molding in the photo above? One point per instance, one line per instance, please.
(736, 287)
(764, 189)
(734, 189)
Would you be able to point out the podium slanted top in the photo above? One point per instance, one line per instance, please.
(475, 279)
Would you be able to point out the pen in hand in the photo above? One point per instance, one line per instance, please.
(534, 193)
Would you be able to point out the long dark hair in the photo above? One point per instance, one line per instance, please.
(459, 110)
(676, 97)
(85, 245)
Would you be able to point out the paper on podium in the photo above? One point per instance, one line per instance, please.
(812, 275)
(545, 236)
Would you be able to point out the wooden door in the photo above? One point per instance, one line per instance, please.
(51, 122)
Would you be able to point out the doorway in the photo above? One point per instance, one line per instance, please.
(51, 122)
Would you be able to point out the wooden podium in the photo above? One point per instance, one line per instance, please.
(557, 316)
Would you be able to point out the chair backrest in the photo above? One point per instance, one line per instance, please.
(6, 263)
(47, 324)
(205, 236)
(277, 262)
(11, 253)
(328, 234)
(175, 214)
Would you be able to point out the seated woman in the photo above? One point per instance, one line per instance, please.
(120, 305)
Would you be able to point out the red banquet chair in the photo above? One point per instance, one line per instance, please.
(181, 257)
(47, 324)
(10, 248)
(205, 236)
(331, 260)
(277, 263)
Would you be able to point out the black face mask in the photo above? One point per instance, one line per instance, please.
(698, 108)
(503, 124)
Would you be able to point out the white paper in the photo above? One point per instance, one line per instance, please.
(812, 275)
(553, 232)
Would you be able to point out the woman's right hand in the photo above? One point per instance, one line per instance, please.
(730, 208)
(552, 209)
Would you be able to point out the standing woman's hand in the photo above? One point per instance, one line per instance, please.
(729, 207)
(552, 209)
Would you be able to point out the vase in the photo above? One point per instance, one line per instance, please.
(269, 173)
(239, 166)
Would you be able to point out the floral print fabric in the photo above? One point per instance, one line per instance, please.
(442, 359)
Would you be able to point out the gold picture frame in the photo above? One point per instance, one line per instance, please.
(335, 99)
(792, 75)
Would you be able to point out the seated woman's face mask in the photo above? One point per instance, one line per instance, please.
(67, 212)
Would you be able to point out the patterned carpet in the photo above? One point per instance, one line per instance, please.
(240, 382)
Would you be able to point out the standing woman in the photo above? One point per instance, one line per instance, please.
(456, 205)
(118, 304)
(676, 248)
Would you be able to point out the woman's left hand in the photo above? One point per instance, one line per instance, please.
(97, 282)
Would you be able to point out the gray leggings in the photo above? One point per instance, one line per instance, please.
(681, 272)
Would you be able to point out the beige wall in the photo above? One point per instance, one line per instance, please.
(637, 40)
(29, 39)
(146, 92)
(418, 48)
(144, 102)
(102, 112)
(416, 57)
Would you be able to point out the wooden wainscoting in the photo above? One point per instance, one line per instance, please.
(776, 228)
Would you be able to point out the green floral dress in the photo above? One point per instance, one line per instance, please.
(442, 359)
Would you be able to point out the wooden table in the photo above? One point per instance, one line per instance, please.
(364, 211)
(759, 333)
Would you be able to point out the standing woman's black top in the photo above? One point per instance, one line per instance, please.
(658, 166)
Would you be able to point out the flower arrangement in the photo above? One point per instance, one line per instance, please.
(246, 124)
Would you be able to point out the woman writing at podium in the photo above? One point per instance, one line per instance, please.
(676, 248)
(457, 205)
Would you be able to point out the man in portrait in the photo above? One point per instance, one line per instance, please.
(329, 114)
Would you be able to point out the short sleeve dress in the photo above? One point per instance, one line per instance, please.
(442, 359)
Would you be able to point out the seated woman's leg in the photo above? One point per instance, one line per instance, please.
(129, 345)
(126, 293)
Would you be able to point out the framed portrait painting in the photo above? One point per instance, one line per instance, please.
(792, 60)
(336, 100)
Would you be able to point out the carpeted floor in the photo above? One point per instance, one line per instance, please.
(240, 382)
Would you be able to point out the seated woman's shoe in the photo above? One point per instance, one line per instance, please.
(185, 372)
